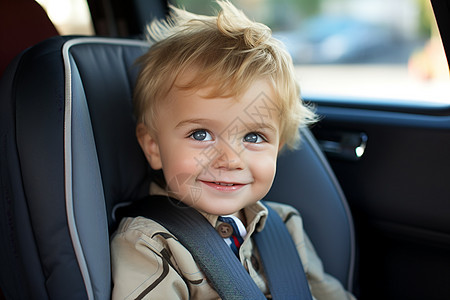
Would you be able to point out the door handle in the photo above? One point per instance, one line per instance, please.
(343, 144)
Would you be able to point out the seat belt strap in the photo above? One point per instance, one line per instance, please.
(282, 265)
(219, 264)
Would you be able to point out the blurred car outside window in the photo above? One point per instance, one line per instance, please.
(356, 49)
(352, 49)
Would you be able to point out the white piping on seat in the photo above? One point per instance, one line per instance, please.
(71, 221)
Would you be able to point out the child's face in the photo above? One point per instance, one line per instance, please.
(217, 154)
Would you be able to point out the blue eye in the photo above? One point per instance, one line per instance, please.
(201, 135)
(253, 137)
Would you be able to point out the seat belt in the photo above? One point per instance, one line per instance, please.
(282, 265)
(226, 274)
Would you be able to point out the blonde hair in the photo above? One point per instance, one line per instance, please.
(229, 52)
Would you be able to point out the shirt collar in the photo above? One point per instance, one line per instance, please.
(255, 214)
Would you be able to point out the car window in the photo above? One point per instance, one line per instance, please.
(357, 49)
(69, 16)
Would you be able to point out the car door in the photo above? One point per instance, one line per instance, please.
(392, 158)
(398, 191)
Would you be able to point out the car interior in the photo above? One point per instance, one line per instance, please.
(370, 178)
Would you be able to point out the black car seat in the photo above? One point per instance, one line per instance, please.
(69, 155)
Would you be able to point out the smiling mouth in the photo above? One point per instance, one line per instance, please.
(223, 186)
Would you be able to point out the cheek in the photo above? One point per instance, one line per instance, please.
(180, 164)
(263, 169)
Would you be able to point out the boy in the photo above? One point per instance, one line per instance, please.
(216, 100)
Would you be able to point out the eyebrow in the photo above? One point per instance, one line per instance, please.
(261, 126)
(192, 121)
(249, 126)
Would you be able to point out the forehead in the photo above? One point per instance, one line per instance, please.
(256, 105)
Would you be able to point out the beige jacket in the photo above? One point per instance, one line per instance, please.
(148, 262)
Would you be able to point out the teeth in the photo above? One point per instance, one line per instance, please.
(225, 184)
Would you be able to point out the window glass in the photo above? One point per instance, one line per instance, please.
(69, 16)
(357, 49)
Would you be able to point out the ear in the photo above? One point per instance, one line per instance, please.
(149, 145)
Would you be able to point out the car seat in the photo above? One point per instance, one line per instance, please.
(69, 155)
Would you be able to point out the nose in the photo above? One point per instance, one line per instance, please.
(229, 157)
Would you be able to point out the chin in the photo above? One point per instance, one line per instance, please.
(220, 209)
